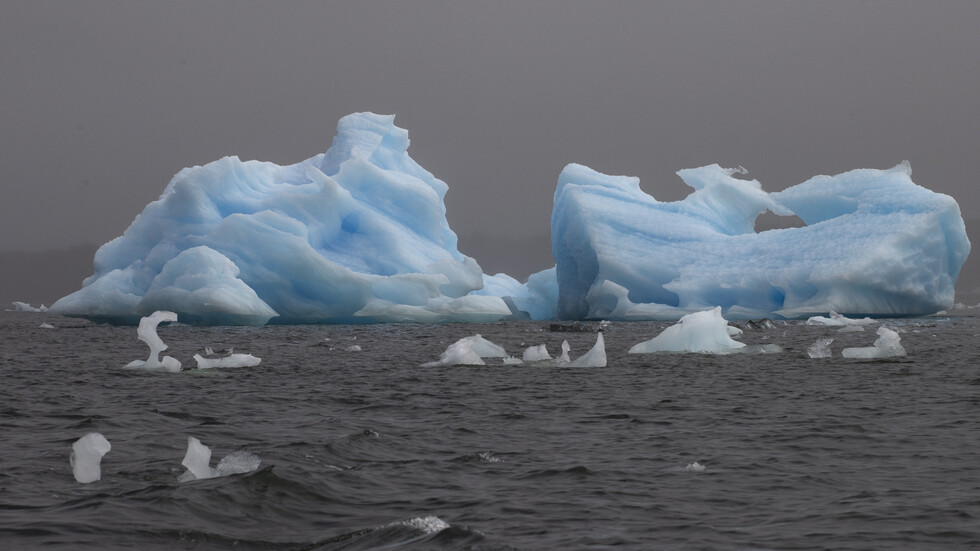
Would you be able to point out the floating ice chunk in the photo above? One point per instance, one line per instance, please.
(595, 357)
(25, 307)
(511, 360)
(232, 360)
(198, 460)
(86, 457)
(821, 348)
(698, 332)
(147, 332)
(695, 467)
(46, 325)
(353, 348)
(538, 353)
(836, 319)
(887, 345)
(469, 351)
(563, 358)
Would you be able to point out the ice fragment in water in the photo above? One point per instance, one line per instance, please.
(198, 460)
(86, 457)
(837, 319)
(564, 359)
(705, 331)
(821, 348)
(469, 351)
(537, 353)
(147, 332)
(232, 360)
(596, 357)
(887, 345)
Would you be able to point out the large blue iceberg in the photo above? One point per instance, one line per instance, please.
(359, 235)
(874, 243)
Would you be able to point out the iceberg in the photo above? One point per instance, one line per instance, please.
(357, 234)
(874, 243)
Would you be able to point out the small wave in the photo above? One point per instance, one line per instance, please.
(479, 457)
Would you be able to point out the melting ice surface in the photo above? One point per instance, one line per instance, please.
(359, 234)
(469, 351)
(86, 457)
(147, 332)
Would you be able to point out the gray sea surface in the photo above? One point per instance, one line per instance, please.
(365, 449)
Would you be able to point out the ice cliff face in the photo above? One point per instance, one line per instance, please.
(875, 244)
(359, 234)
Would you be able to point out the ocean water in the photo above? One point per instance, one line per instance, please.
(368, 450)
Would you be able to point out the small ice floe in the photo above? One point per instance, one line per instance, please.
(563, 359)
(887, 345)
(353, 348)
(836, 319)
(537, 353)
(705, 331)
(596, 357)
(147, 332)
(511, 360)
(86, 457)
(695, 467)
(46, 325)
(468, 351)
(198, 462)
(231, 360)
(25, 307)
(820, 349)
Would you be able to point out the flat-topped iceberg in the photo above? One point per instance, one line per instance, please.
(874, 243)
(358, 234)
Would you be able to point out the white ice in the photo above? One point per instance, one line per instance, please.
(468, 351)
(821, 348)
(147, 332)
(887, 345)
(705, 331)
(836, 319)
(46, 325)
(198, 462)
(25, 307)
(537, 353)
(231, 360)
(595, 357)
(86, 457)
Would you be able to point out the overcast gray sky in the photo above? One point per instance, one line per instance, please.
(101, 102)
